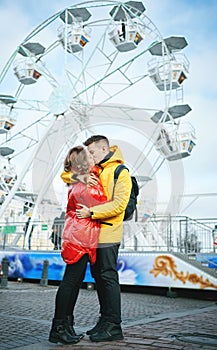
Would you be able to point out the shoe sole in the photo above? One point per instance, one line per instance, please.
(57, 340)
(112, 338)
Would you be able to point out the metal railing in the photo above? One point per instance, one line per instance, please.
(172, 234)
(160, 233)
(13, 236)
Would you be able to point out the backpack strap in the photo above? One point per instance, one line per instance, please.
(118, 170)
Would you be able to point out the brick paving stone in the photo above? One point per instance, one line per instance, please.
(165, 346)
(150, 322)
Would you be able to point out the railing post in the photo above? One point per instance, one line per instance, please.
(4, 240)
(4, 273)
(44, 277)
(170, 293)
(214, 238)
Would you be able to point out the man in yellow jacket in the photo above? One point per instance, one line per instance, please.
(111, 215)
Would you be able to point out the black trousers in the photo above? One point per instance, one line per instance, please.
(105, 274)
(68, 290)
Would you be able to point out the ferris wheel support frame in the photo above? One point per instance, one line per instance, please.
(43, 190)
(22, 174)
(82, 92)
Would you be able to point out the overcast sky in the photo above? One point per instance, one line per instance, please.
(196, 20)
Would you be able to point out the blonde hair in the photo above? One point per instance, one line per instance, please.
(76, 161)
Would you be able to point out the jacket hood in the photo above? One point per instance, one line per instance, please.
(67, 177)
(115, 156)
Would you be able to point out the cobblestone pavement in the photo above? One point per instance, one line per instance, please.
(149, 321)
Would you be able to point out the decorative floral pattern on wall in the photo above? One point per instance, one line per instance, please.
(165, 265)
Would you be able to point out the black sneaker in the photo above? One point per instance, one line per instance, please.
(108, 332)
(96, 328)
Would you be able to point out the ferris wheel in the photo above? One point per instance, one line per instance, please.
(97, 66)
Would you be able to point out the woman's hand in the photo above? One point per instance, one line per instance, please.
(84, 212)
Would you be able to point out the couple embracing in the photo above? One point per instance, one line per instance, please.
(92, 233)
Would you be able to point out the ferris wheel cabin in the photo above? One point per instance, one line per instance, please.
(175, 144)
(175, 140)
(7, 171)
(26, 69)
(7, 116)
(168, 74)
(126, 34)
(6, 123)
(74, 35)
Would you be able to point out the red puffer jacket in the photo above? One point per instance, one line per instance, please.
(80, 236)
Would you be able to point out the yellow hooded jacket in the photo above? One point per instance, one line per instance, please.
(111, 213)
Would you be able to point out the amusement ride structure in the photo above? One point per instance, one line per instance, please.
(95, 67)
(99, 67)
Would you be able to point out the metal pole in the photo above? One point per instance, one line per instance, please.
(4, 273)
(44, 277)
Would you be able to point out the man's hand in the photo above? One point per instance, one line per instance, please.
(84, 212)
(92, 180)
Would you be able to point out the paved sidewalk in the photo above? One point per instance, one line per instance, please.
(150, 322)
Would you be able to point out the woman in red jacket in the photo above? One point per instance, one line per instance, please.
(80, 238)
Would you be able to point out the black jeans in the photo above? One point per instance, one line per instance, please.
(105, 274)
(68, 290)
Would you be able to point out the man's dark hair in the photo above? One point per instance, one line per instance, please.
(96, 138)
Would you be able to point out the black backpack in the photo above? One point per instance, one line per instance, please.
(131, 206)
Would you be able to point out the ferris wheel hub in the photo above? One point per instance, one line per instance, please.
(60, 100)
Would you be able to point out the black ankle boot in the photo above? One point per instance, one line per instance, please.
(97, 327)
(69, 323)
(108, 332)
(59, 334)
